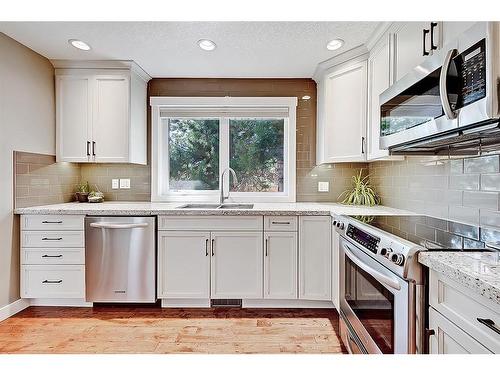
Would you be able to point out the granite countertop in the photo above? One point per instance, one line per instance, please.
(152, 208)
(479, 271)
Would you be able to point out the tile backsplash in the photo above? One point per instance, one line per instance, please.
(465, 189)
(102, 174)
(40, 180)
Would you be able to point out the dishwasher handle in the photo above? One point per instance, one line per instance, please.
(105, 225)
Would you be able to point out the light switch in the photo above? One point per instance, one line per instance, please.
(115, 183)
(323, 186)
(124, 183)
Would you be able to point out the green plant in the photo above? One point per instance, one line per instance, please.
(361, 192)
(83, 187)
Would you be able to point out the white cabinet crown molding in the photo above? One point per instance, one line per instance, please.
(102, 64)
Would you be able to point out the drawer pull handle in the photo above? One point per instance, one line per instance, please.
(280, 222)
(51, 222)
(52, 256)
(490, 324)
(51, 239)
(51, 281)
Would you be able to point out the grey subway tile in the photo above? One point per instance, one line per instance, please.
(464, 182)
(481, 199)
(490, 182)
(483, 164)
(466, 215)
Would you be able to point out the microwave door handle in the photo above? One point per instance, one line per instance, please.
(443, 90)
(385, 280)
(104, 225)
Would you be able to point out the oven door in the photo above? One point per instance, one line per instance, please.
(375, 302)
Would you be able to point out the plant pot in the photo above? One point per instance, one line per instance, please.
(82, 197)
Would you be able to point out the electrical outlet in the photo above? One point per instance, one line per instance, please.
(323, 186)
(115, 183)
(124, 183)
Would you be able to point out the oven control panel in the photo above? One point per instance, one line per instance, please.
(365, 239)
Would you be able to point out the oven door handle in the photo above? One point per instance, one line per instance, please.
(443, 90)
(385, 280)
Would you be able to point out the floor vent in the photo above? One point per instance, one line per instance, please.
(225, 303)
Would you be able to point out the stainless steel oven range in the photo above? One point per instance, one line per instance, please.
(380, 286)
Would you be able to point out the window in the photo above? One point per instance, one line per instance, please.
(196, 139)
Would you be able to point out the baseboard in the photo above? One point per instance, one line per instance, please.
(13, 308)
(62, 302)
(185, 302)
(286, 303)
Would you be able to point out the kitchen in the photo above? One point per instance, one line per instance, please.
(250, 200)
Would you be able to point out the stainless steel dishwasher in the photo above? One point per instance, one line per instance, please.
(120, 259)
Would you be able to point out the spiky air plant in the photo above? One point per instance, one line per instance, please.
(361, 192)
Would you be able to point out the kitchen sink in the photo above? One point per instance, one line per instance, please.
(225, 206)
(200, 205)
(236, 206)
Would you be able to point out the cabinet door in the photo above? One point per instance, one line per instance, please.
(237, 264)
(379, 80)
(73, 117)
(280, 265)
(409, 45)
(344, 123)
(183, 264)
(451, 30)
(450, 339)
(111, 124)
(315, 258)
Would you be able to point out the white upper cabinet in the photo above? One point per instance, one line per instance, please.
(100, 114)
(379, 80)
(74, 109)
(341, 134)
(450, 30)
(413, 44)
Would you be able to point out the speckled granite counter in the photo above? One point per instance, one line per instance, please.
(479, 271)
(151, 208)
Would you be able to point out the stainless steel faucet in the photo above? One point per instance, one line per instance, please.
(235, 181)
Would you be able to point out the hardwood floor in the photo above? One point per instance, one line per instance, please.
(156, 330)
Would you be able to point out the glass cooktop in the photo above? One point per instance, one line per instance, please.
(436, 234)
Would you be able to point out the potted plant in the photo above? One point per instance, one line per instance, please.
(96, 196)
(361, 192)
(82, 191)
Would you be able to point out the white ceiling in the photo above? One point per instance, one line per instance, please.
(169, 49)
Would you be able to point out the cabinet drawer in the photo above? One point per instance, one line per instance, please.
(52, 222)
(463, 308)
(40, 255)
(53, 281)
(210, 223)
(52, 239)
(280, 223)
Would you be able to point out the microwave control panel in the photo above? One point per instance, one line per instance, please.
(472, 68)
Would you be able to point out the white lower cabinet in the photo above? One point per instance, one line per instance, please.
(183, 264)
(52, 257)
(315, 258)
(280, 265)
(335, 268)
(236, 265)
(276, 260)
(55, 281)
(449, 339)
(463, 321)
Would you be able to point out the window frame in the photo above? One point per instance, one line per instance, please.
(160, 164)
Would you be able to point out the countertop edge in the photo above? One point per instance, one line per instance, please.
(480, 286)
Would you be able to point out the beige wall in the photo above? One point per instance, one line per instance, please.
(27, 123)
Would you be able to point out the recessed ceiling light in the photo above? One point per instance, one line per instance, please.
(306, 97)
(79, 44)
(334, 44)
(206, 44)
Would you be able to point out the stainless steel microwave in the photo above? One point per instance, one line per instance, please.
(451, 98)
